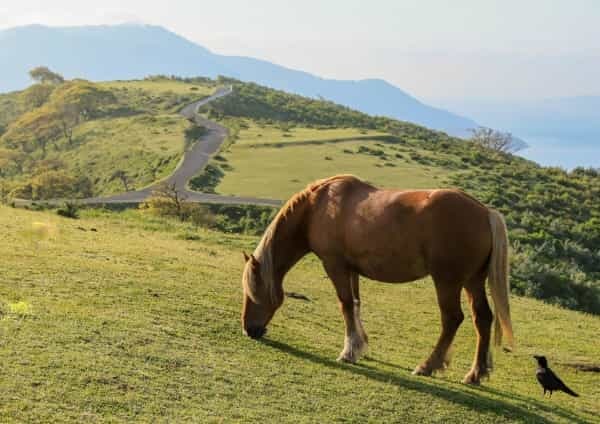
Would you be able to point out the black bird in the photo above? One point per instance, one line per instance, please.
(549, 380)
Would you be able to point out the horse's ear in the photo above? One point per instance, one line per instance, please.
(246, 257)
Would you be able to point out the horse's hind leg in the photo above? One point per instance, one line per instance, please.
(448, 295)
(482, 319)
(346, 283)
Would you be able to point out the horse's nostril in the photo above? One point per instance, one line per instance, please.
(256, 332)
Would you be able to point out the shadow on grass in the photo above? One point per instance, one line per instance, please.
(472, 400)
(545, 406)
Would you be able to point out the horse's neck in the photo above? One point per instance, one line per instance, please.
(289, 242)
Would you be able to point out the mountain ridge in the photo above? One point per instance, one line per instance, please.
(126, 51)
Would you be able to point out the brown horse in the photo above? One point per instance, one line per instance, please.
(391, 236)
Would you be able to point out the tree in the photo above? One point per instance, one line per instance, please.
(37, 95)
(4, 190)
(44, 75)
(45, 165)
(81, 98)
(68, 105)
(11, 161)
(495, 140)
(53, 184)
(152, 165)
(77, 101)
(33, 130)
(167, 200)
(122, 176)
(68, 115)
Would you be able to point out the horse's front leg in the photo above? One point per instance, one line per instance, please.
(346, 286)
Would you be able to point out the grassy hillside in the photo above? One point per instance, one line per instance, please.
(137, 130)
(279, 143)
(308, 155)
(131, 322)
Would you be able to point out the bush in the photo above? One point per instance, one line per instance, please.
(244, 219)
(208, 179)
(554, 225)
(166, 201)
(192, 134)
(69, 210)
(53, 184)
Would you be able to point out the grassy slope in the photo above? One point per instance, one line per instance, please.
(161, 86)
(130, 322)
(150, 131)
(289, 160)
(552, 215)
(10, 108)
(271, 134)
(128, 144)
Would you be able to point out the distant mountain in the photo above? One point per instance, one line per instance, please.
(574, 119)
(133, 51)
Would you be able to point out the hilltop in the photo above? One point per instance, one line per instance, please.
(82, 139)
(118, 52)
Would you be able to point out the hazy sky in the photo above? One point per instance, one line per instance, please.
(434, 49)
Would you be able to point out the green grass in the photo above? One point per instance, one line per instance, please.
(255, 134)
(128, 143)
(130, 323)
(141, 133)
(135, 144)
(161, 86)
(274, 166)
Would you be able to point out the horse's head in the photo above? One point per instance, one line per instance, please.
(260, 299)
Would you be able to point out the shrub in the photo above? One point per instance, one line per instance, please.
(69, 210)
(208, 179)
(167, 201)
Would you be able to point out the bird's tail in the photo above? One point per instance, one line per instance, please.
(498, 279)
(569, 391)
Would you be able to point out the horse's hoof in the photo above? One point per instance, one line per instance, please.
(472, 380)
(421, 370)
(346, 359)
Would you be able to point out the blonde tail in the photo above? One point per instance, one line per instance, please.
(498, 279)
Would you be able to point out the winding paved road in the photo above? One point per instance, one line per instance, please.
(194, 160)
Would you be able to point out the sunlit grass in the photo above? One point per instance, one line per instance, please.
(273, 134)
(130, 323)
(278, 172)
(158, 87)
(133, 144)
(19, 309)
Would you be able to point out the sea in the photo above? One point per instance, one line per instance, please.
(565, 153)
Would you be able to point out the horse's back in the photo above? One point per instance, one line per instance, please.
(394, 235)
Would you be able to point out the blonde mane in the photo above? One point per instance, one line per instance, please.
(264, 251)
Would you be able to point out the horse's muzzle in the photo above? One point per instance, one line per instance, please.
(256, 332)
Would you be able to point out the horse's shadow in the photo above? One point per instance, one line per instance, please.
(470, 399)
